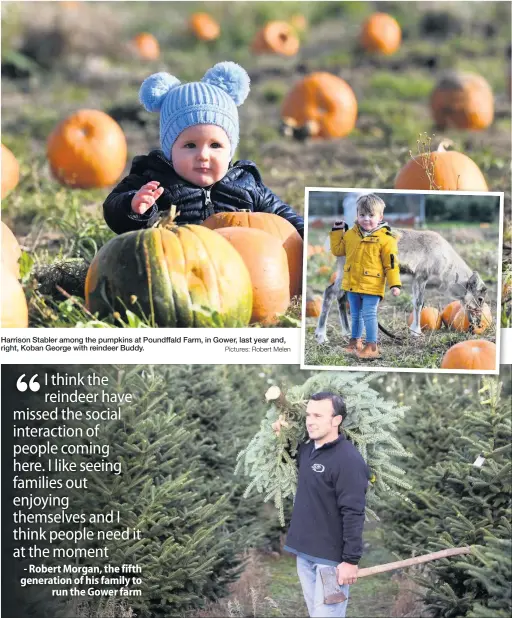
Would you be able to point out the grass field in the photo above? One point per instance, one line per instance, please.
(477, 246)
(74, 56)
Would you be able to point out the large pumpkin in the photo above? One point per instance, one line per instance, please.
(168, 275)
(276, 37)
(430, 319)
(449, 312)
(472, 354)
(381, 34)
(275, 226)
(448, 170)
(10, 171)
(267, 264)
(204, 27)
(87, 149)
(462, 101)
(146, 46)
(11, 251)
(14, 310)
(323, 100)
(462, 324)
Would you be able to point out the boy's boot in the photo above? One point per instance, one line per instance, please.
(369, 352)
(354, 346)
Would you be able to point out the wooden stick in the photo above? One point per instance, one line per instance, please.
(399, 564)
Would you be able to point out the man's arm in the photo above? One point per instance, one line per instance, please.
(351, 489)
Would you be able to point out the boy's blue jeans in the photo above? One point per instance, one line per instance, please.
(363, 309)
(313, 590)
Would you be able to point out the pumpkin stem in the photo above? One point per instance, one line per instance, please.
(167, 219)
(444, 144)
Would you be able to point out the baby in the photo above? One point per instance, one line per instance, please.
(199, 133)
(371, 259)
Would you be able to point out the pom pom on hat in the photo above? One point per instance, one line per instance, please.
(154, 89)
(231, 78)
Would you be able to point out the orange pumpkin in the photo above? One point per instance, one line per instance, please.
(299, 22)
(14, 310)
(11, 251)
(146, 46)
(332, 278)
(325, 101)
(204, 27)
(87, 149)
(274, 225)
(313, 307)
(462, 324)
(449, 312)
(10, 171)
(430, 319)
(276, 37)
(449, 171)
(462, 101)
(381, 34)
(323, 270)
(476, 354)
(267, 264)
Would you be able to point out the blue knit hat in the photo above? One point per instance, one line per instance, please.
(213, 100)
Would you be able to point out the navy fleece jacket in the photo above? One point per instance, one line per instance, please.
(328, 512)
(241, 189)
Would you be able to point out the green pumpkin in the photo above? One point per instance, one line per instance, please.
(186, 276)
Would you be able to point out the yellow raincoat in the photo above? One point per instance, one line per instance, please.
(371, 260)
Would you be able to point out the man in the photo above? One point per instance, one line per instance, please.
(328, 511)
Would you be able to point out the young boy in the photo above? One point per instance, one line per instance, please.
(199, 133)
(371, 259)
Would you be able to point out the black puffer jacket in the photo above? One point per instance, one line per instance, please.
(240, 189)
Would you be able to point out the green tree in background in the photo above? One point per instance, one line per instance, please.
(461, 439)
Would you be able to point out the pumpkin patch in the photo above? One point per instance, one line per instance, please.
(276, 37)
(475, 354)
(175, 277)
(449, 312)
(325, 101)
(204, 27)
(146, 46)
(462, 323)
(381, 34)
(443, 170)
(267, 264)
(87, 149)
(462, 101)
(430, 319)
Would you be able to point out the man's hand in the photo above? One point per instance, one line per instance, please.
(395, 291)
(347, 573)
(146, 196)
(278, 424)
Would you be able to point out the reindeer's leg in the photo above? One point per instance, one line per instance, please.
(329, 294)
(419, 284)
(342, 310)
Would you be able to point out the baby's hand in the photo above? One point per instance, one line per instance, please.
(146, 196)
(395, 291)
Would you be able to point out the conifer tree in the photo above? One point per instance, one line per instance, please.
(462, 498)
(370, 424)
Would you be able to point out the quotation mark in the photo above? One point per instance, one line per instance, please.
(33, 384)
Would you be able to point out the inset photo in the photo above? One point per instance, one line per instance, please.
(409, 280)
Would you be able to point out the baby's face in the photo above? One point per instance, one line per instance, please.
(201, 154)
(367, 221)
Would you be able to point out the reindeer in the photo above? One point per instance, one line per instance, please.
(427, 256)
